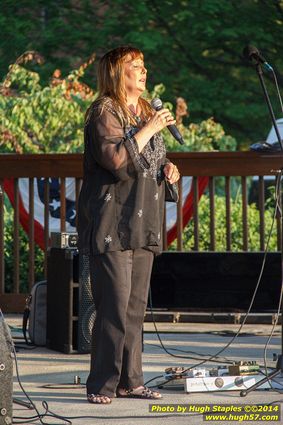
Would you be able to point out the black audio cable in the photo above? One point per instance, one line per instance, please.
(212, 357)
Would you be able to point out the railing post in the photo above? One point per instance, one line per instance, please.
(212, 213)
(279, 220)
(195, 213)
(180, 217)
(261, 201)
(245, 213)
(78, 184)
(16, 261)
(228, 212)
(2, 257)
(62, 204)
(46, 222)
(164, 235)
(31, 233)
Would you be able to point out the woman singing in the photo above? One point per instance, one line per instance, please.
(121, 210)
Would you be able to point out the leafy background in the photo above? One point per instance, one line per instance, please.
(194, 47)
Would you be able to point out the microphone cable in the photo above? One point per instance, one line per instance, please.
(39, 416)
(279, 309)
(277, 89)
(271, 335)
(212, 357)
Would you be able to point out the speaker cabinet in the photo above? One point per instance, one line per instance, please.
(70, 307)
(62, 300)
(6, 374)
(87, 312)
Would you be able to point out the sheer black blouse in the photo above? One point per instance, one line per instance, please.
(121, 203)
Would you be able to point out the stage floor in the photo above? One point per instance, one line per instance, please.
(40, 367)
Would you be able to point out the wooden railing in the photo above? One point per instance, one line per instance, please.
(210, 164)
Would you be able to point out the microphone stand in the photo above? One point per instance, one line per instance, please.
(279, 364)
(260, 75)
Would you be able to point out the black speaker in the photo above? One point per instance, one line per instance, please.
(6, 374)
(87, 311)
(62, 300)
(70, 307)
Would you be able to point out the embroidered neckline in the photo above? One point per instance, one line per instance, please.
(153, 151)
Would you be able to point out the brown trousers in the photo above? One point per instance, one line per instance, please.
(120, 282)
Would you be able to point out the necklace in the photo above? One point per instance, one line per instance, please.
(137, 118)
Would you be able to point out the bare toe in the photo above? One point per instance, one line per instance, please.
(98, 399)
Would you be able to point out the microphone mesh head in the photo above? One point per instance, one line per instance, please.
(156, 103)
(249, 51)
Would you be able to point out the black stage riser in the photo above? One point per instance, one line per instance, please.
(194, 281)
(220, 281)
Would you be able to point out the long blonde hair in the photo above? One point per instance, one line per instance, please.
(110, 79)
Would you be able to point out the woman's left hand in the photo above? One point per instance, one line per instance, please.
(171, 173)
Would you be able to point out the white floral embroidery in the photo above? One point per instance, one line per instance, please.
(107, 197)
(152, 154)
(108, 239)
(156, 196)
(144, 174)
(140, 213)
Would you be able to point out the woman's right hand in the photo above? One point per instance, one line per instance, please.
(160, 119)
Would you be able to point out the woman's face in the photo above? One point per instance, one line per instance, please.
(134, 75)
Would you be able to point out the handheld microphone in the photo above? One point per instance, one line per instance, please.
(251, 52)
(157, 105)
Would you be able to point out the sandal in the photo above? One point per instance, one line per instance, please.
(98, 399)
(139, 392)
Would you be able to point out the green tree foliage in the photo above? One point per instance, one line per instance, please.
(62, 30)
(236, 228)
(207, 135)
(193, 46)
(39, 118)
